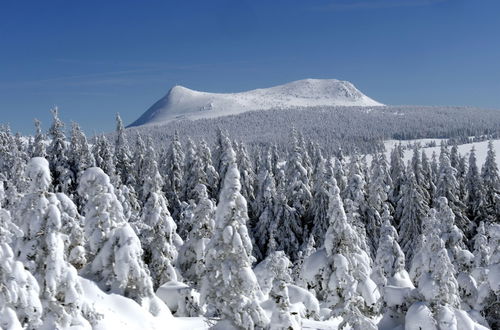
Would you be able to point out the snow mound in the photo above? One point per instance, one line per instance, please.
(184, 103)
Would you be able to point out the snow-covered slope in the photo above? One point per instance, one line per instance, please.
(184, 103)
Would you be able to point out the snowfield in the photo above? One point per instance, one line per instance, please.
(184, 103)
(481, 148)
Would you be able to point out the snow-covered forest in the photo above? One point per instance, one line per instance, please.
(220, 233)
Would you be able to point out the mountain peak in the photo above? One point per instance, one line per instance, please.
(184, 103)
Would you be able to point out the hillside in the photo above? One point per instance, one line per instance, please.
(184, 103)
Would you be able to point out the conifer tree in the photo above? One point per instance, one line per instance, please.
(448, 187)
(267, 215)
(58, 156)
(114, 251)
(411, 209)
(39, 148)
(229, 285)
(398, 175)
(390, 259)
(348, 270)
(174, 176)
(320, 200)
(42, 250)
(157, 231)
(122, 154)
(212, 177)
(20, 306)
(491, 183)
(191, 258)
(474, 198)
(281, 317)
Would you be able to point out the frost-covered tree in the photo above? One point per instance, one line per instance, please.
(20, 306)
(80, 158)
(140, 153)
(428, 178)
(191, 260)
(229, 286)
(411, 209)
(320, 200)
(281, 317)
(491, 302)
(39, 148)
(448, 187)
(432, 269)
(157, 230)
(247, 176)
(194, 173)
(43, 252)
(474, 198)
(380, 183)
(348, 289)
(173, 174)
(298, 191)
(62, 177)
(398, 176)
(122, 155)
(491, 183)
(390, 259)
(115, 253)
(104, 157)
(212, 178)
(288, 233)
(267, 208)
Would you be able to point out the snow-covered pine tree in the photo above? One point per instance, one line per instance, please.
(122, 155)
(229, 286)
(42, 250)
(320, 200)
(474, 198)
(491, 303)
(20, 306)
(62, 177)
(157, 229)
(411, 210)
(491, 184)
(247, 176)
(39, 147)
(288, 233)
(389, 266)
(115, 252)
(418, 171)
(140, 153)
(433, 272)
(80, 158)
(428, 178)
(266, 195)
(398, 176)
(191, 259)
(298, 191)
(104, 157)
(346, 286)
(380, 183)
(194, 173)
(448, 186)
(208, 168)
(174, 175)
(339, 174)
(281, 317)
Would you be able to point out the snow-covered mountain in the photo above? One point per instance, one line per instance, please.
(184, 103)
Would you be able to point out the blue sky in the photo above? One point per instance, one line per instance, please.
(95, 58)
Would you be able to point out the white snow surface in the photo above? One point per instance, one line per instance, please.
(184, 103)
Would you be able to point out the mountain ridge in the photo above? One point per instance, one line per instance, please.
(183, 103)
